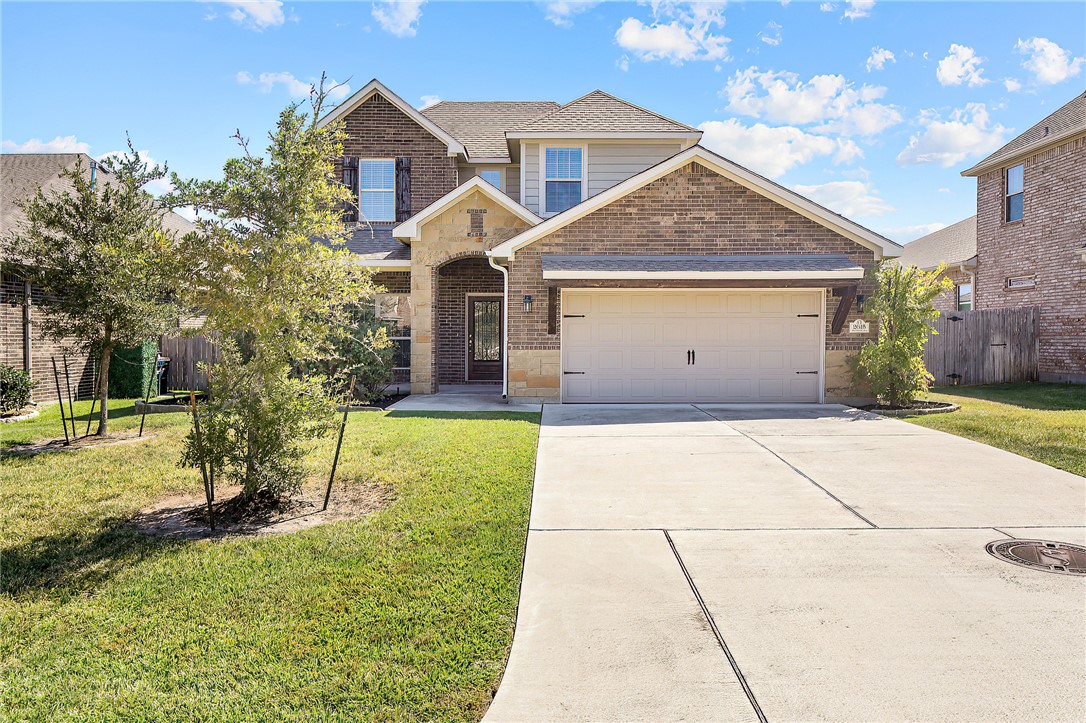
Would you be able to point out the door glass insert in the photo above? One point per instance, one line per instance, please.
(486, 339)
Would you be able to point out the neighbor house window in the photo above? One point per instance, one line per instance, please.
(377, 190)
(1014, 193)
(965, 297)
(493, 177)
(563, 177)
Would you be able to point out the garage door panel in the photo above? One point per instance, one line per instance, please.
(749, 346)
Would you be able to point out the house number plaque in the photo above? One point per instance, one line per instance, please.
(859, 326)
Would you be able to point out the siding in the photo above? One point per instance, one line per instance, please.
(609, 164)
(529, 163)
(512, 178)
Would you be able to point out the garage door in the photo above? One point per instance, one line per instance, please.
(691, 346)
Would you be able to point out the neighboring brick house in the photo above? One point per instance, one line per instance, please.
(1031, 235)
(21, 346)
(955, 249)
(594, 252)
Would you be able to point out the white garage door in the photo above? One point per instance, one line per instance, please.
(691, 346)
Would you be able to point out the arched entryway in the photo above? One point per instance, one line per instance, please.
(467, 322)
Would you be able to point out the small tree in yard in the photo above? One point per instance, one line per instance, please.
(270, 291)
(903, 305)
(102, 259)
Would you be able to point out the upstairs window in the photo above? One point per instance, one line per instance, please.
(493, 177)
(965, 297)
(1014, 193)
(377, 190)
(564, 177)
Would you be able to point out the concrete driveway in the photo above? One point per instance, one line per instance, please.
(789, 563)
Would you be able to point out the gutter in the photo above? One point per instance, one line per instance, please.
(27, 300)
(505, 323)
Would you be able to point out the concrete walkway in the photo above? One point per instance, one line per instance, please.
(789, 563)
(462, 398)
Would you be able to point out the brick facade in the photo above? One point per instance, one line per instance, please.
(12, 340)
(378, 129)
(691, 211)
(1046, 244)
(947, 301)
(454, 282)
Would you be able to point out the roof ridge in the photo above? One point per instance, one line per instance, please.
(661, 116)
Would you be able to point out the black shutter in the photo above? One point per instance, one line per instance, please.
(403, 189)
(350, 180)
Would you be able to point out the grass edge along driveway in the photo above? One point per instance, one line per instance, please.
(405, 614)
(1044, 422)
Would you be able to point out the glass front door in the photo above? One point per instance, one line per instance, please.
(484, 338)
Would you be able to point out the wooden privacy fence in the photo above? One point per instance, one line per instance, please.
(186, 353)
(984, 347)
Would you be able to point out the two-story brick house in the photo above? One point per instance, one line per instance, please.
(592, 252)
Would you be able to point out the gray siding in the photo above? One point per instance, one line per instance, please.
(512, 178)
(529, 163)
(612, 163)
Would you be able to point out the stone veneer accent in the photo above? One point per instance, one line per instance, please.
(1046, 243)
(443, 240)
(691, 211)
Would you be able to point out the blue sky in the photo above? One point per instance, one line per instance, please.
(872, 108)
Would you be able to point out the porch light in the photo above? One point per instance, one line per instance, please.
(527, 303)
(860, 303)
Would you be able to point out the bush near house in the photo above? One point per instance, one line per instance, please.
(15, 388)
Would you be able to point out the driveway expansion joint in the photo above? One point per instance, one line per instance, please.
(716, 631)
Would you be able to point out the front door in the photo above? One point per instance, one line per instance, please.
(484, 338)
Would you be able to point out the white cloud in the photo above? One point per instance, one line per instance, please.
(1013, 85)
(296, 88)
(623, 63)
(773, 151)
(967, 132)
(848, 198)
(399, 17)
(254, 14)
(944, 190)
(961, 66)
(60, 144)
(562, 13)
(879, 58)
(827, 7)
(830, 100)
(429, 100)
(859, 9)
(904, 234)
(772, 34)
(688, 36)
(1049, 63)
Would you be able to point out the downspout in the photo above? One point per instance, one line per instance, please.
(27, 359)
(505, 324)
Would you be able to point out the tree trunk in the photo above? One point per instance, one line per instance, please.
(103, 390)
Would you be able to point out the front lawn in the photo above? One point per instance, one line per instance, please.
(1045, 422)
(405, 614)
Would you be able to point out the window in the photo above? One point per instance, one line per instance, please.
(1021, 282)
(377, 190)
(1014, 180)
(493, 177)
(394, 310)
(564, 173)
(965, 297)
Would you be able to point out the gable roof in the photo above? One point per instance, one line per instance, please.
(22, 174)
(481, 125)
(376, 87)
(599, 112)
(954, 245)
(851, 230)
(409, 230)
(1067, 121)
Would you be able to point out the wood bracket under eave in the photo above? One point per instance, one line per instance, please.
(847, 294)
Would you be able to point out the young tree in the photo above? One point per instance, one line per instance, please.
(903, 305)
(103, 261)
(270, 289)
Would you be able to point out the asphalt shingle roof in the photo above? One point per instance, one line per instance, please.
(952, 245)
(700, 264)
(603, 113)
(1065, 119)
(481, 125)
(375, 243)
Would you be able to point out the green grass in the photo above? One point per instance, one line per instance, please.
(1045, 422)
(404, 615)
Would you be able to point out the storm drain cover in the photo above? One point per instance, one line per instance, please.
(1042, 555)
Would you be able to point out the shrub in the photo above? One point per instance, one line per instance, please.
(15, 388)
(358, 346)
(903, 305)
(131, 369)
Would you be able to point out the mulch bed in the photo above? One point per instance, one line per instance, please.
(917, 407)
(185, 516)
(90, 442)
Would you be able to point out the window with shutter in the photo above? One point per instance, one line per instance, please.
(350, 180)
(403, 188)
(377, 190)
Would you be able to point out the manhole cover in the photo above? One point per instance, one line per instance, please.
(1042, 555)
